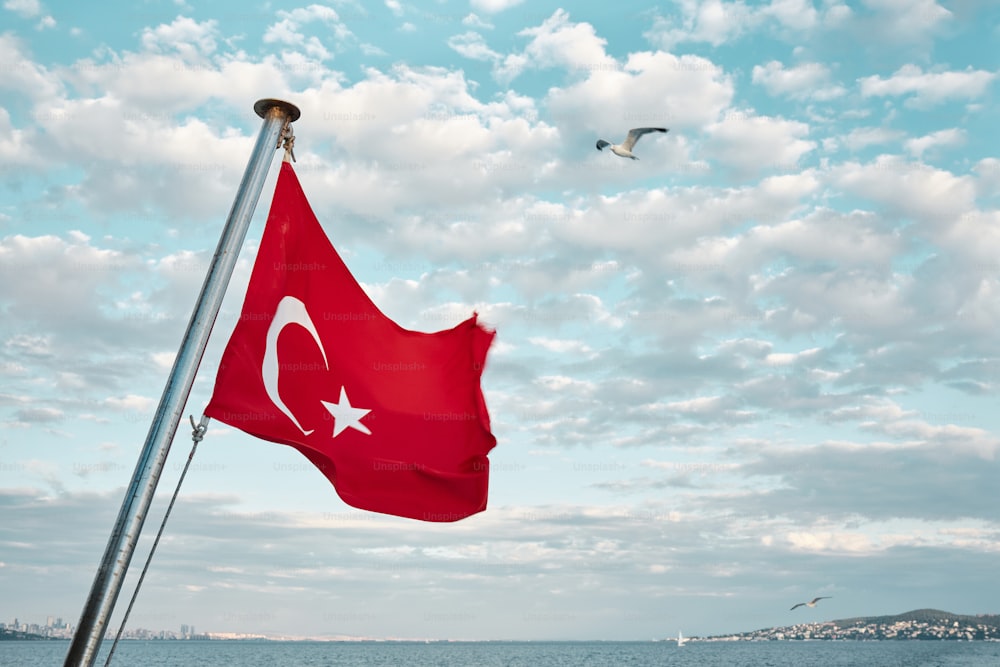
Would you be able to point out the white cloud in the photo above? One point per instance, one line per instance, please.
(196, 157)
(164, 361)
(712, 21)
(928, 88)
(697, 405)
(808, 80)
(472, 45)
(988, 172)
(494, 6)
(130, 403)
(474, 21)
(23, 75)
(24, 8)
(288, 30)
(917, 146)
(88, 265)
(907, 20)
(395, 7)
(311, 13)
(284, 31)
(915, 190)
(15, 144)
(852, 242)
(651, 88)
(861, 137)
(780, 359)
(38, 346)
(751, 144)
(860, 301)
(371, 50)
(718, 22)
(795, 14)
(971, 240)
(837, 15)
(561, 346)
(828, 541)
(559, 43)
(189, 38)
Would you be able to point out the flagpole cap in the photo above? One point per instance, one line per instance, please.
(266, 104)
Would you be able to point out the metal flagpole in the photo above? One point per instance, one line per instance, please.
(86, 643)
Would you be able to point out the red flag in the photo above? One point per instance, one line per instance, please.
(394, 418)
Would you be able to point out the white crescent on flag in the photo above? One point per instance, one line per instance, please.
(289, 311)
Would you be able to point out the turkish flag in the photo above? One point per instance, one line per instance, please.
(394, 418)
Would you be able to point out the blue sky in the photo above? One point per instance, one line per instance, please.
(755, 366)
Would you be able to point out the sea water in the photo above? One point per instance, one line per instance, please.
(517, 654)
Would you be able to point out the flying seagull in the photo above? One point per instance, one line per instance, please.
(811, 603)
(624, 149)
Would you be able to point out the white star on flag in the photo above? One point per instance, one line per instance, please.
(346, 415)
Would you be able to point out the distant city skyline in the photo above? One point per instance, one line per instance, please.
(55, 626)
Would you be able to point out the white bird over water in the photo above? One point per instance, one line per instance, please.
(624, 149)
(811, 603)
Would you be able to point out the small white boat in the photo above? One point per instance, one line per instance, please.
(680, 639)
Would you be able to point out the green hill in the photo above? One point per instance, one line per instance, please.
(924, 624)
(922, 616)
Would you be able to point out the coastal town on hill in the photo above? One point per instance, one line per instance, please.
(925, 624)
(921, 624)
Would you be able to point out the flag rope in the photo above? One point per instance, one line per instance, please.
(288, 135)
(197, 435)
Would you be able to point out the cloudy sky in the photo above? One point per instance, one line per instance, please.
(756, 366)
